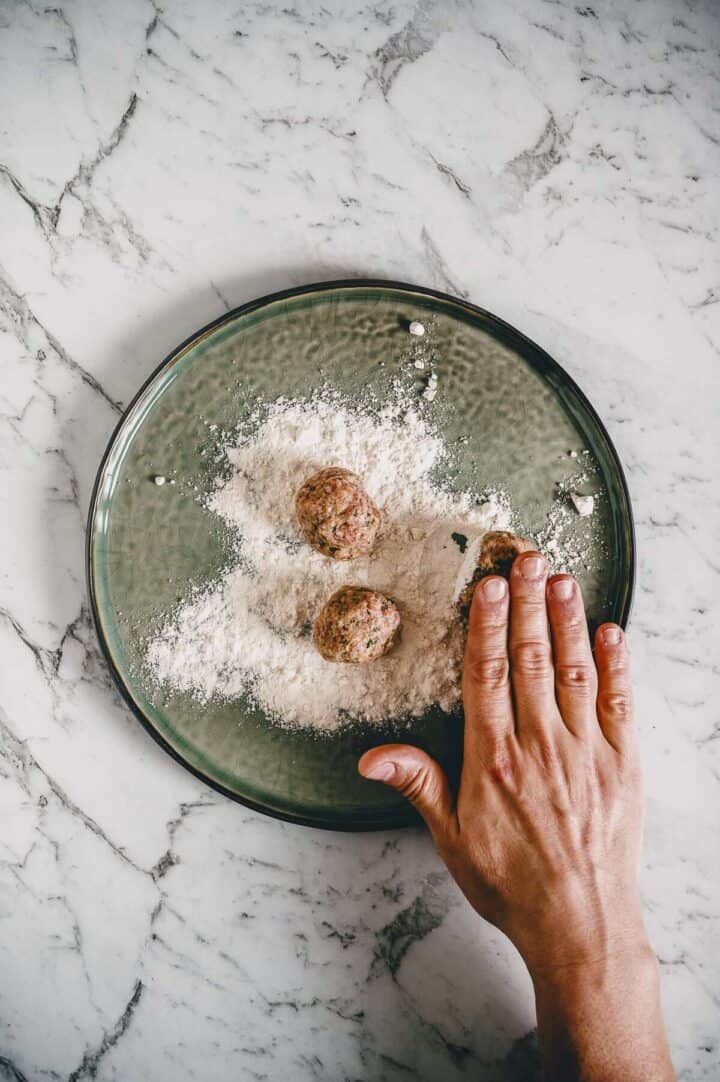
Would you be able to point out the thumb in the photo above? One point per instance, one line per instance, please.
(414, 774)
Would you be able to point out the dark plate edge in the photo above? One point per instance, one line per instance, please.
(403, 816)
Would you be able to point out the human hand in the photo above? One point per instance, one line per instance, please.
(544, 835)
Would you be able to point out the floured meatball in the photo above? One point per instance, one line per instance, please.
(336, 515)
(498, 550)
(356, 625)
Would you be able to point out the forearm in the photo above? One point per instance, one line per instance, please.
(602, 1021)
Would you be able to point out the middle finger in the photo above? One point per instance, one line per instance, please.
(531, 667)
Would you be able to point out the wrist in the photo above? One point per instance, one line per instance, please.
(602, 1019)
(584, 925)
(621, 966)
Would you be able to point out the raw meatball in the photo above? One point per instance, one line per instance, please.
(356, 625)
(498, 550)
(337, 516)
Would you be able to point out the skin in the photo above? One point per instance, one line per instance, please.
(544, 834)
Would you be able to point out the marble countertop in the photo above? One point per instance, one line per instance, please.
(553, 162)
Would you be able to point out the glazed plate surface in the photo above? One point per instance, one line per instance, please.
(511, 411)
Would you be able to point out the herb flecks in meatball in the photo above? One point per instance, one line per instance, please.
(336, 515)
(356, 625)
(498, 551)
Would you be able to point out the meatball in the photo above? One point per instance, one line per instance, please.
(498, 550)
(356, 625)
(336, 515)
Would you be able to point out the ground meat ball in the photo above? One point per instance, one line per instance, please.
(498, 550)
(337, 516)
(356, 625)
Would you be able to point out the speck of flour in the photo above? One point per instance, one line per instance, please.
(249, 634)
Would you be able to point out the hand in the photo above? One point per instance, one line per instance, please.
(544, 836)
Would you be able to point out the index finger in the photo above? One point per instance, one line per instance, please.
(489, 719)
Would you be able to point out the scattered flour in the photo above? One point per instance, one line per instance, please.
(250, 633)
(584, 505)
(571, 537)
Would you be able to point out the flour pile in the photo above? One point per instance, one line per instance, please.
(250, 633)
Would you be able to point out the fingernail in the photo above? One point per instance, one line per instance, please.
(562, 589)
(494, 589)
(611, 636)
(532, 567)
(380, 771)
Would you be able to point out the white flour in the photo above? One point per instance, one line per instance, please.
(250, 634)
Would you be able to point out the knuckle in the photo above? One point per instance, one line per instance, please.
(416, 785)
(531, 658)
(578, 676)
(489, 613)
(616, 663)
(532, 602)
(500, 767)
(572, 621)
(490, 673)
(616, 705)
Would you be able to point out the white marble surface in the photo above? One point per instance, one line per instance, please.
(556, 163)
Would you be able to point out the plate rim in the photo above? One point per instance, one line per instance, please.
(384, 819)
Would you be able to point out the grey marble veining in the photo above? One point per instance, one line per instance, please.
(555, 162)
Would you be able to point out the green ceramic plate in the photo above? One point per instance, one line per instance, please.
(520, 412)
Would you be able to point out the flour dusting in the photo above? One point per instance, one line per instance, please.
(249, 634)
